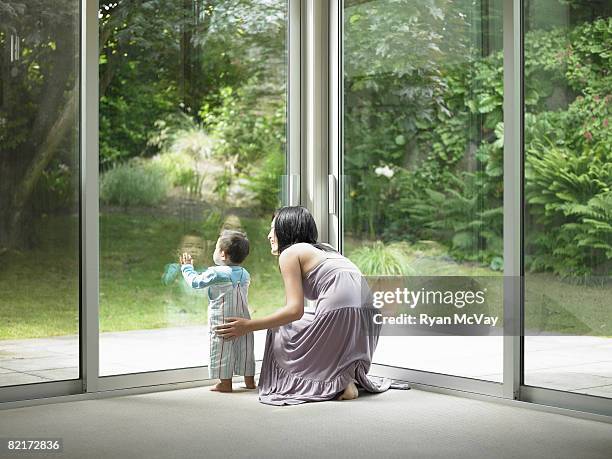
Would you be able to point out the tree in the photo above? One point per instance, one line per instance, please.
(157, 58)
(38, 76)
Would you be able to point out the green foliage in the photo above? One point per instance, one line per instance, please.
(253, 148)
(127, 116)
(261, 129)
(185, 150)
(448, 181)
(568, 155)
(158, 59)
(381, 259)
(462, 215)
(570, 198)
(266, 182)
(211, 226)
(393, 90)
(180, 172)
(133, 184)
(56, 189)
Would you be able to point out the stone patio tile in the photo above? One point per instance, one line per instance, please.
(133, 353)
(113, 368)
(16, 378)
(548, 342)
(59, 374)
(565, 361)
(44, 363)
(568, 376)
(461, 356)
(30, 353)
(568, 379)
(543, 360)
(603, 391)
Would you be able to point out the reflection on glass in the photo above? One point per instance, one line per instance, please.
(423, 138)
(192, 139)
(39, 182)
(568, 194)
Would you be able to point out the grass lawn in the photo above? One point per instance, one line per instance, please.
(551, 305)
(39, 288)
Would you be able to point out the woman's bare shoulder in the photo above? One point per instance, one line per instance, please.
(300, 250)
(307, 255)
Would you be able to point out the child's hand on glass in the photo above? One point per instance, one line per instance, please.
(185, 259)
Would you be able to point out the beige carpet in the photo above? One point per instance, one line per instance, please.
(196, 423)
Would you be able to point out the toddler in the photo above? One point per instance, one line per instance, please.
(227, 284)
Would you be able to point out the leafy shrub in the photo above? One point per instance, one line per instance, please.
(180, 172)
(252, 149)
(261, 129)
(185, 150)
(465, 216)
(570, 199)
(448, 183)
(382, 259)
(135, 183)
(55, 189)
(265, 182)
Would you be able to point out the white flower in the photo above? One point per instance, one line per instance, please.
(384, 170)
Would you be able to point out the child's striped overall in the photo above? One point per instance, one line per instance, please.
(227, 292)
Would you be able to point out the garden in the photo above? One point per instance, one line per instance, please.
(193, 137)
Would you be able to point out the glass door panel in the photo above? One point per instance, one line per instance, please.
(39, 192)
(568, 196)
(422, 169)
(192, 139)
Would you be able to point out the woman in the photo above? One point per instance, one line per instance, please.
(318, 355)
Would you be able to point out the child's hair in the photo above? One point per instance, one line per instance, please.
(235, 244)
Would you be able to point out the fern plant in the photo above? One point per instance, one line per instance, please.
(465, 214)
(569, 196)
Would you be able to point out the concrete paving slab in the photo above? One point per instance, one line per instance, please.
(577, 363)
(603, 391)
(567, 379)
(17, 378)
(58, 374)
(41, 363)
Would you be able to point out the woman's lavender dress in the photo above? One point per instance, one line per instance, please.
(314, 358)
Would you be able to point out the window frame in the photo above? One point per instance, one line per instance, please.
(313, 178)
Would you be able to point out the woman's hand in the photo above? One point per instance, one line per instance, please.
(233, 328)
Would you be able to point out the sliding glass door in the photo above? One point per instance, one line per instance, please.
(193, 101)
(568, 196)
(422, 172)
(39, 191)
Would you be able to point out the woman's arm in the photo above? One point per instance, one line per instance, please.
(291, 271)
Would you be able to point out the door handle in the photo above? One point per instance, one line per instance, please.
(331, 193)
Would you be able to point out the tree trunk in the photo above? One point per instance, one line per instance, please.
(46, 152)
(22, 166)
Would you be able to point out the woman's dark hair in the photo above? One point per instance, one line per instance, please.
(295, 224)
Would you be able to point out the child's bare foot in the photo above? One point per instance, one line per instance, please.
(249, 382)
(224, 386)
